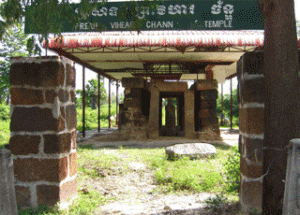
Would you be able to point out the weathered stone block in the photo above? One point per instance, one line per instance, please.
(253, 90)
(49, 73)
(252, 195)
(251, 171)
(73, 163)
(50, 96)
(23, 196)
(209, 95)
(48, 195)
(71, 76)
(253, 148)
(208, 121)
(33, 169)
(33, 119)
(71, 116)
(253, 62)
(207, 85)
(57, 143)
(62, 112)
(63, 95)
(252, 120)
(204, 113)
(74, 137)
(191, 150)
(24, 144)
(72, 94)
(68, 190)
(210, 104)
(133, 82)
(21, 96)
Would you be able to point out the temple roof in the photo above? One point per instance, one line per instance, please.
(184, 54)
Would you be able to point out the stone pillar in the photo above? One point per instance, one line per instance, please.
(135, 123)
(43, 131)
(207, 95)
(153, 127)
(170, 118)
(189, 123)
(8, 204)
(251, 88)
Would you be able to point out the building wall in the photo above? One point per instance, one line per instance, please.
(43, 130)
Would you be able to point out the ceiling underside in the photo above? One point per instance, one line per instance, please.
(179, 55)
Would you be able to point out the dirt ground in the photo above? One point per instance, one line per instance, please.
(132, 190)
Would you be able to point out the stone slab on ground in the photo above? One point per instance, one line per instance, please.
(191, 150)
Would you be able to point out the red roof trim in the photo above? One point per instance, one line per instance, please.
(165, 38)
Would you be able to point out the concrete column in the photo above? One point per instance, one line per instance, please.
(251, 88)
(43, 131)
(8, 204)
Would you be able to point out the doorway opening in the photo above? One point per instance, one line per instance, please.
(171, 114)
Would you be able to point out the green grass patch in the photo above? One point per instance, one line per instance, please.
(85, 204)
(194, 175)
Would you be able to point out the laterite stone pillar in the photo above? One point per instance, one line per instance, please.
(252, 93)
(43, 130)
(206, 96)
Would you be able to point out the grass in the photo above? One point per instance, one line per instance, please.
(84, 204)
(183, 174)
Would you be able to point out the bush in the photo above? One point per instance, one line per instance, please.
(232, 171)
(4, 111)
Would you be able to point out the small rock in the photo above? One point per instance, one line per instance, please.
(167, 208)
(191, 150)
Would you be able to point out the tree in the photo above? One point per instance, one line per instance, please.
(13, 45)
(226, 104)
(91, 94)
(281, 113)
(47, 17)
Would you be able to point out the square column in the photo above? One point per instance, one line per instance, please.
(43, 130)
(251, 96)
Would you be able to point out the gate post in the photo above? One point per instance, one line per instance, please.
(251, 96)
(7, 189)
(43, 130)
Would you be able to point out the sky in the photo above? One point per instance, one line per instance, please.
(90, 74)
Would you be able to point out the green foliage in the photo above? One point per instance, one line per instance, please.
(4, 112)
(4, 124)
(12, 45)
(232, 171)
(226, 106)
(215, 203)
(91, 117)
(91, 94)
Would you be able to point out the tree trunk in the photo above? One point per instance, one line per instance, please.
(281, 116)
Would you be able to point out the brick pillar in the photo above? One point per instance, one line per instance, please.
(251, 88)
(207, 95)
(43, 130)
(135, 123)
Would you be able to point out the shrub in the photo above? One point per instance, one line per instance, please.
(232, 171)
(4, 111)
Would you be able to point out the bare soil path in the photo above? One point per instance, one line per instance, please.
(131, 191)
